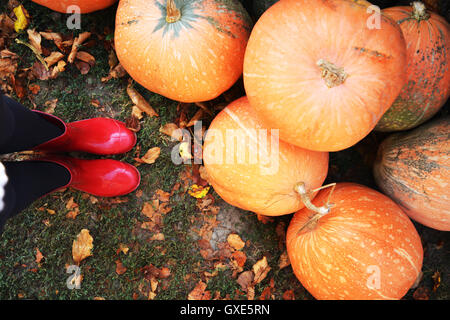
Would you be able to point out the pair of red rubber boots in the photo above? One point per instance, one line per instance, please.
(101, 136)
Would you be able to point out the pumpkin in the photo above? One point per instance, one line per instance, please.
(251, 169)
(86, 6)
(188, 51)
(327, 78)
(414, 170)
(427, 38)
(260, 6)
(363, 248)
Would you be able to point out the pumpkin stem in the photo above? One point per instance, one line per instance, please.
(173, 14)
(305, 195)
(332, 75)
(419, 11)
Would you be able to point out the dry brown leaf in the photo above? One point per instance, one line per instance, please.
(50, 106)
(53, 58)
(82, 246)
(6, 25)
(83, 67)
(437, 280)
(123, 248)
(73, 213)
(140, 102)
(172, 130)
(151, 155)
(261, 269)
(148, 210)
(86, 57)
(199, 292)
(120, 269)
(52, 36)
(158, 237)
(162, 195)
(245, 280)
(116, 73)
(197, 116)
(76, 44)
(284, 260)
(137, 113)
(34, 88)
(39, 256)
(52, 212)
(240, 258)
(35, 40)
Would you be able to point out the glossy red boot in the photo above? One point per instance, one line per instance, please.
(98, 136)
(100, 177)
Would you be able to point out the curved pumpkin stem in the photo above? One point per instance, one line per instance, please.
(305, 195)
(419, 11)
(333, 75)
(173, 14)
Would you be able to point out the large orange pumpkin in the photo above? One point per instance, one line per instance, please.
(364, 248)
(86, 6)
(427, 38)
(323, 72)
(414, 170)
(188, 51)
(246, 168)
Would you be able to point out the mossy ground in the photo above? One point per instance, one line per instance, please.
(112, 224)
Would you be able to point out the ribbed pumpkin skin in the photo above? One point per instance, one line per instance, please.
(86, 6)
(365, 235)
(248, 185)
(285, 85)
(428, 85)
(413, 169)
(194, 59)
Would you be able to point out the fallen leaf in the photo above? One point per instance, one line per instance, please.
(157, 237)
(120, 269)
(34, 88)
(437, 280)
(76, 44)
(185, 151)
(73, 213)
(172, 130)
(284, 260)
(151, 155)
(240, 258)
(52, 212)
(39, 256)
(288, 295)
(245, 280)
(82, 246)
(53, 58)
(164, 273)
(23, 18)
(197, 116)
(86, 57)
(35, 40)
(52, 36)
(116, 73)
(261, 269)
(148, 210)
(137, 113)
(235, 241)
(140, 102)
(163, 195)
(50, 106)
(421, 293)
(82, 66)
(199, 293)
(123, 248)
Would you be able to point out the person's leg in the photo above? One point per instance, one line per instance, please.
(22, 129)
(27, 182)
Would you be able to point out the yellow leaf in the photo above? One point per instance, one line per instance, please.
(185, 152)
(82, 246)
(235, 241)
(22, 18)
(197, 191)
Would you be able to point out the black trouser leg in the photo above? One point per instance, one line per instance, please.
(22, 129)
(27, 182)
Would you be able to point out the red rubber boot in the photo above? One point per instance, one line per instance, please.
(98, 136)
(100, 177)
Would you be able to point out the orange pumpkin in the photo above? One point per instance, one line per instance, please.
(323, 72)
(427, 38)
(364, 248)
(414, 170)
(86, 6)
(188, 51)
(251, 169)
